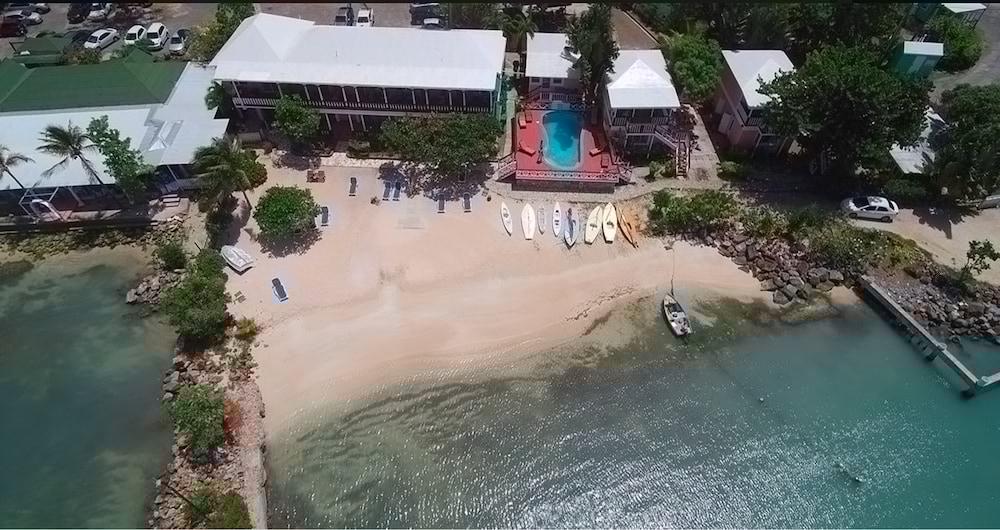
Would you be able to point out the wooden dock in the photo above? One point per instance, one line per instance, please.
(934, 348)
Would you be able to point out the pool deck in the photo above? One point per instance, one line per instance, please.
(596, 165)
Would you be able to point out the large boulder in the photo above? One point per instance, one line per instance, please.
(805, 293)
(780, 298)
(768, 285)
(790, 290)
(836, 277)
(824, 286)
(795, 281)
(976, 308)
(767, 265)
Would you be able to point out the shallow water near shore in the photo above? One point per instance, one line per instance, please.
(759, 421)
(84, 432)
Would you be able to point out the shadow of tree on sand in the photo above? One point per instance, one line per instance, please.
(943, 219)
(281, 247)
(422, 181)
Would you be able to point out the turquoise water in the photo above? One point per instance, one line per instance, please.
(562, 138)
(84, 433)
(760, 423)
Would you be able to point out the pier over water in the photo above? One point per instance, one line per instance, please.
(930, 345)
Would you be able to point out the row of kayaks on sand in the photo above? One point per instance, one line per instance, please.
(603, 220)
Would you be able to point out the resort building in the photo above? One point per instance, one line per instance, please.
(357, 77)
(548, 65)
(641, 104)
(917, 159)
(968, 12)
(739, 103)
(158, 106)
(917, 58)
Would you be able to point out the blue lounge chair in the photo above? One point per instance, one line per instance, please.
(468, 202)
(279, 290)
(324, 219)
(354, 187)
(388, 190)
(440, 203)
(397, 187)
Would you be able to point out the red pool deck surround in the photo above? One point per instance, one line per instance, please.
(597, 161)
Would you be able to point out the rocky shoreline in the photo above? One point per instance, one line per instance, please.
(926, 289)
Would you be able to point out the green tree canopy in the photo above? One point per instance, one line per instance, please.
(198, 411)
(285, 211)
(968, 145)
(592, 39)
(695, 63)
(125, 164)
(475, 16)
(844, 106)
(870, 25)
(210, 38)
(197, 305)
(297, 121)
(450, 143)
(225, 167)
(962, 43)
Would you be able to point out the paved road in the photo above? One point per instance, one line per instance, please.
(631, 36)
(987, 70)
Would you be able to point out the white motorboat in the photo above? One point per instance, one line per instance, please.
(508, 223)
(528, 221)
(676, 316)
(610, 223)
(569, 233)
(556, 220)
(594, 221)
(541, 220)
(236, 257)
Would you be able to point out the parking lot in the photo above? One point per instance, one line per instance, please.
(174, 15)
(385, 15)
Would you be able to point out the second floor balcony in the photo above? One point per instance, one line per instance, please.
(362, 98)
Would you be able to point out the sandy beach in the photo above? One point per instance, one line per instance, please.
(391, 291)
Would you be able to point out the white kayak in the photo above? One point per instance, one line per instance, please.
(569, 234)
(556, 220)
(594, 221)
(676, 316)
(610, 223)
(508, 224)
(541, 220)
(237, 258)
(528, 221)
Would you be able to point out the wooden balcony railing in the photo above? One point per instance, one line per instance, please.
(351, 105)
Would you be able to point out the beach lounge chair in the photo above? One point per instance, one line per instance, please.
(279, 290)
(396, 188)
(324, 216)
(468, 202)
(388, 190)
(526, 149)
(354, 187)
(598, 146)
(440, 203)
(521, 124)
(527, 116)
(605, 161)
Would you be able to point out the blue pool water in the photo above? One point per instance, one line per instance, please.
(562, 138)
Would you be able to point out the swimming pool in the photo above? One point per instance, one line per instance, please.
(562, 138)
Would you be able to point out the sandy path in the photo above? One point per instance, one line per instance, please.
(401, 291)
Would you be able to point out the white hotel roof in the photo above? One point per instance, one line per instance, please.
(958, 8)
(640, 81)
(750, 67)
(164, 134)
(546, 57)
(271, 48)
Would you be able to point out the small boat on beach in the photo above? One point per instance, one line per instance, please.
(556, 220)
(676, 316)
(528, 221)
(570, 231)
(508, 223)
(626, 229)
(610, 223)
(594, 221)
(237, 258)
(541, 220)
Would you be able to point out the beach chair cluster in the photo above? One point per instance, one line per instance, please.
(466, 203)
(315, 175)
(392, 188)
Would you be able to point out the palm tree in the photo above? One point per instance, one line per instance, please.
(518, 27)
(9, 159)
(70, 143)
(592, 39)
(224, 167)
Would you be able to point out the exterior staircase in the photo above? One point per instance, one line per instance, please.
(680, 141)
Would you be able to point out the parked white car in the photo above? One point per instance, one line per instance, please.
(25, 16)
(135, 34)
(157, 34)
(878, 208)
(366, 18)
(100, 39)
(101, 11)
(177, 45)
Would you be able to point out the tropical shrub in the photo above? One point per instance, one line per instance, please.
(297, 121)
(696, 64)
(171, 255)
(197, 305)
(247, 329)
(217, 510)
(763, 221)
(732, 170)
(702, 211)
(285, 211)
(197, 411)
(962, 44)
